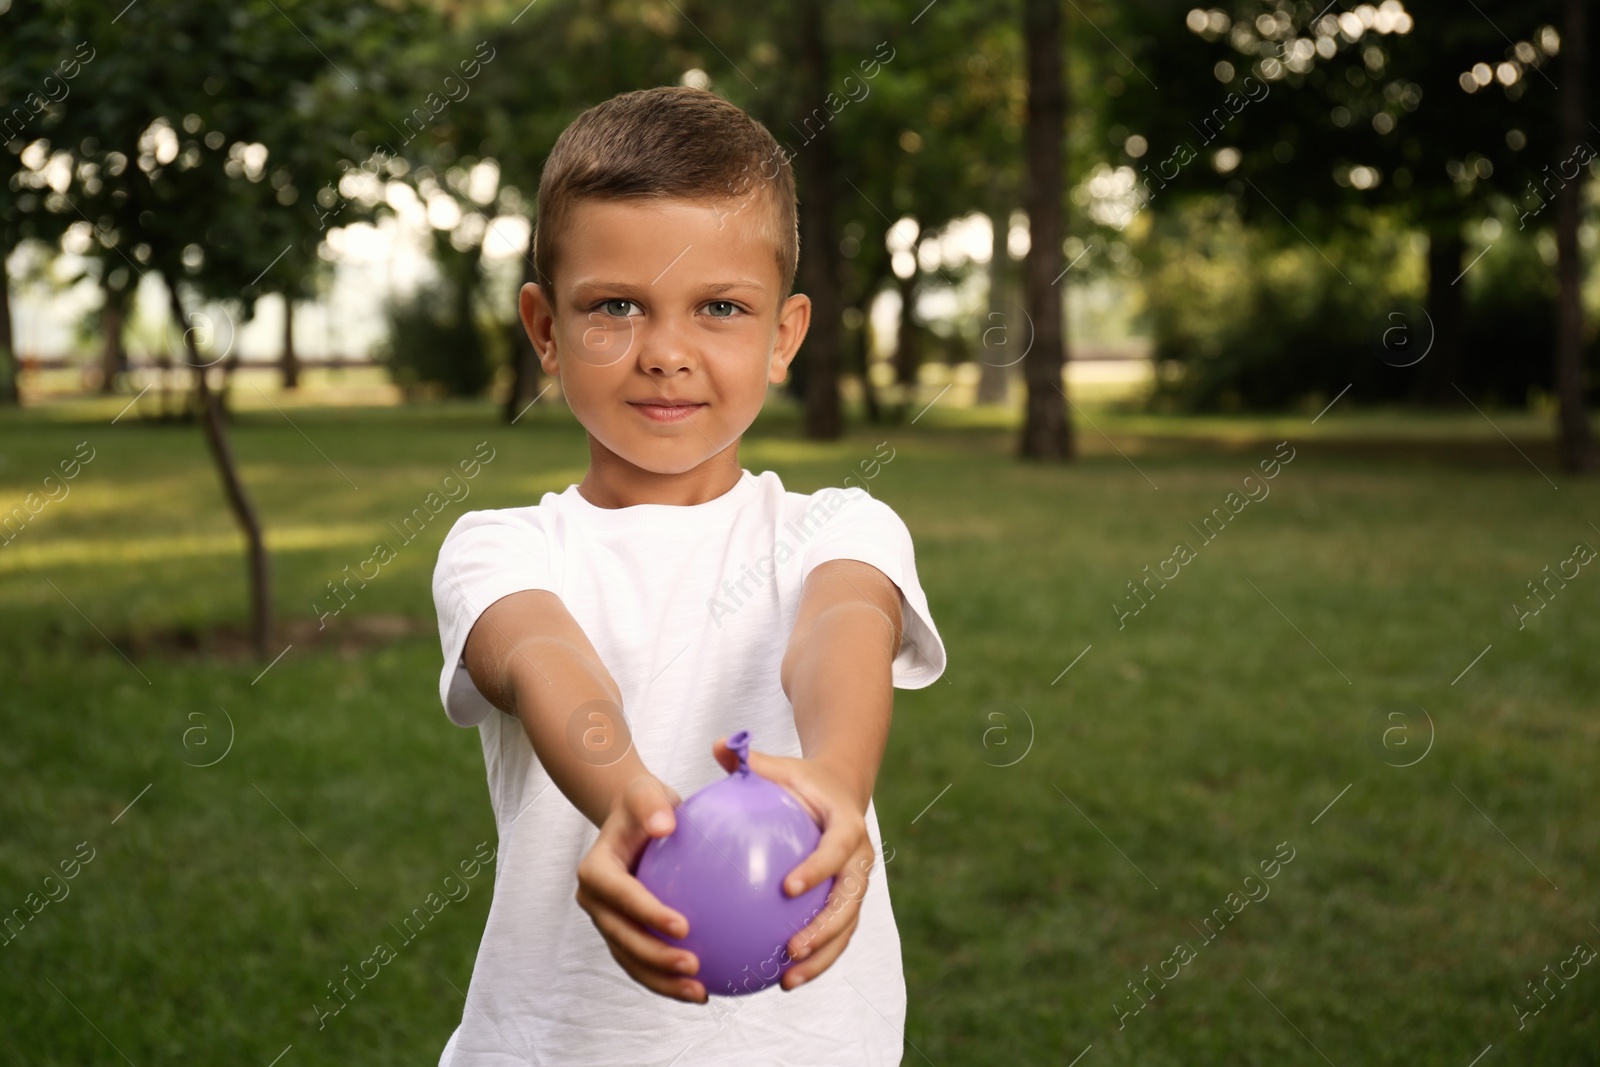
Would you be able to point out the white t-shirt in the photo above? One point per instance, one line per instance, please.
(690, 609)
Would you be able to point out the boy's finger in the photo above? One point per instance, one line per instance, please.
(779, 769)
(820, 960)
(650, 805)
(687, 989)
(840, 913)
(839, 844)
(607, 882)
(646, 948)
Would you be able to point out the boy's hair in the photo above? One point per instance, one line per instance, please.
(672, 141)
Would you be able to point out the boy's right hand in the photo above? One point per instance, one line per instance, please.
(621, 908)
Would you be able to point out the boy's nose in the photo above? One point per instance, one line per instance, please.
(666, 348)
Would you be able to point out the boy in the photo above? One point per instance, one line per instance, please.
(607, 641)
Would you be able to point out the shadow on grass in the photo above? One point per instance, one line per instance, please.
(228, 642)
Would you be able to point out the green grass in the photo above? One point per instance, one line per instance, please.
(1197, 738)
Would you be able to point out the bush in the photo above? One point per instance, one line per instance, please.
(435, 347)
(1258, 319)
(1252, 319)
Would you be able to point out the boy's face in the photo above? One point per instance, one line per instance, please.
(665, 329)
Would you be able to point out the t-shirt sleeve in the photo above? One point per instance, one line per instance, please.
(486, 555)
(862, 527)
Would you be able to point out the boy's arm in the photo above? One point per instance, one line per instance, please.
(836, 669)
(837, 674)
(529, 657)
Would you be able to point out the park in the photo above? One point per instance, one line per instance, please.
(1254, 512)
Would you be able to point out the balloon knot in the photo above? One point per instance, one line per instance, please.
(739, 744)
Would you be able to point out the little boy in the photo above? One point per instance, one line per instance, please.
(607, 641)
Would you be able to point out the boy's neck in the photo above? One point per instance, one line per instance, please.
(612, 482)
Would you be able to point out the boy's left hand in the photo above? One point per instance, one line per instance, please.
(844, 852)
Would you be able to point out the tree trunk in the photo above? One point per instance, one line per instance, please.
(525, 370)
(291, 359)
(224, 396)
(113, 356)
(1578, 452)
(222, 451)
(1440, 372)
(995, 360)
(1046, 431)
(9, 393)
(869, 391)
(819, 245)
(908, 339)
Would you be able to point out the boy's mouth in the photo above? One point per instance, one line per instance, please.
(663, 409)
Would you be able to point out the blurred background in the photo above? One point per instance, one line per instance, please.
(1231, 366)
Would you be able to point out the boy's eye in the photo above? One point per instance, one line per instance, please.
(610, 307)
(722, 309)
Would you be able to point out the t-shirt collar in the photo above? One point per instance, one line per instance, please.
(716, 507)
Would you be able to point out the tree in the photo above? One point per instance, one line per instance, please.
(818, 239)
(166, 155)
(958, 95)
(994, 375)
(1320, 119)
(1046, 431)
(1578, 453)
(290, 361)
(38, 66)
(113, 320)
(260, 565)
(924, 120)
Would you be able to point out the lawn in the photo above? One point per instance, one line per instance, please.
(1335, 688)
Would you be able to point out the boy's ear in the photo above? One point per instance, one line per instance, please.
(794, 319)
(538, 319)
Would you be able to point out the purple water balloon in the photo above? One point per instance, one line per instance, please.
(723, 867)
